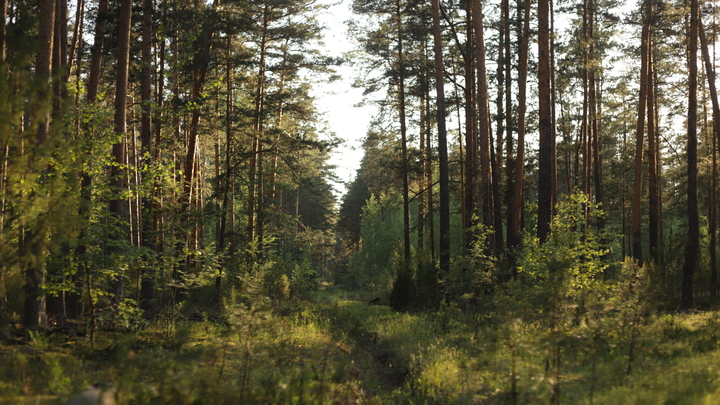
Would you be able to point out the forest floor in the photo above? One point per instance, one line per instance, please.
(338, 349)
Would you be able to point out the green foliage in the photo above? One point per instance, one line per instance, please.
(402, 295)
(304, 279)
(371, 267)
(129, 315)
(472, 274)
(571, 263)
(416, 285)
(427, 285)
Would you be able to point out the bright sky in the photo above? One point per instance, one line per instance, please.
(337, 100)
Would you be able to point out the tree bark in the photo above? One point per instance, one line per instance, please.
(96, 51)
(545, 180)
(225, 207)
(442, 144)
(515, 225)
(509, 163)
(653, 206)
(484, 143)
(594, 117)
(258, 128)
(424, 125)
(77, 35)
(3, 30)
(147, 284)
(32, 235)
(639, 134)
(118, 205)
(471, 131)
(710, 71)
(403, 138)
(553, 126)
(692, 247)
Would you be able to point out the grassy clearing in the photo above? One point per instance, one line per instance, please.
(263, 358)
(337, 351)
(675, 361)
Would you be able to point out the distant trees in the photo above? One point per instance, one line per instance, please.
(567, 132)
(215, 165)
(545, 154)
(105, 219)
(692, 248)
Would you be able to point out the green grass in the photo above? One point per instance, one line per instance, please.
(335, 351)
(676, 359)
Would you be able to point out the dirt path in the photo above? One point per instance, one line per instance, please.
(381, 369)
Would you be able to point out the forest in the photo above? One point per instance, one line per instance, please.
(534, 218)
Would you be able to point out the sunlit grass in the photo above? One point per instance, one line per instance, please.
(344, 351)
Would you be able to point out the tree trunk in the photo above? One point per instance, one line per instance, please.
(653, 208)
(55, 304)
(96, 51)
(228, 162)
(471, 131)
(403, 138)
(429, 178)
(258, 128)
(4, 15)
(77, 35)
(594, 117)
(515, 225)
(118, 205)
(33, 239)
(158, 240)
(424, 125)
(147, 285)
(442, 144)
(553, 127)
(191, 185)
(545, 180)
(484, 143)
(509, 163)
(710, 71)
(692, 247)
(639, 134)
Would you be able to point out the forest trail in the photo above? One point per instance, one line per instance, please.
(383, 368)
(342, 350)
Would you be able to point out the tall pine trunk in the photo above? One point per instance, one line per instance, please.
(147, 284)
(484, 142)
(710, 71)
(515, 225)
(471, 131)
(403, 138)
(258, 129)
(594, 115)
(96, 51)
(639, 136)
(118, 181)
(653, 202)
(32, 235)
(545, 155)
(442, 144)
(692, 248)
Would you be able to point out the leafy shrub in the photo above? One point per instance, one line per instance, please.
(371, 268)
(402, 295)
(304, 279)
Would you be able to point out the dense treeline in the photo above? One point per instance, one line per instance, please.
(493, 119)
(538, 194)
(156, 153)
(611, 103)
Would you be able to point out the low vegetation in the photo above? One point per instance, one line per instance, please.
(334, 349)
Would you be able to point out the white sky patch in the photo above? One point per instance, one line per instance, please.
(337, 100)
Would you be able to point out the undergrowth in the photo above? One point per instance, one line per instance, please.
(338, 351)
